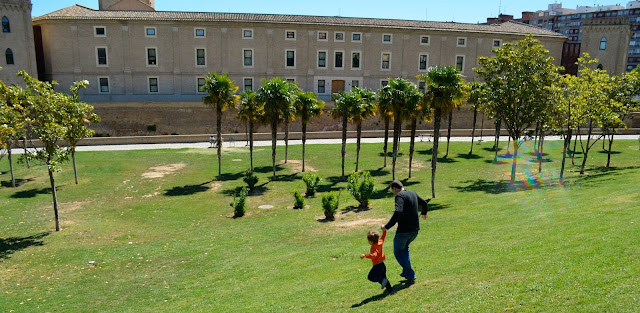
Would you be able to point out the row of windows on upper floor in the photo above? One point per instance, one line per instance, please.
(338, 36)
(290, 59)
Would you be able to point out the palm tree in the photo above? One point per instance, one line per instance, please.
(345, 102)
(445, 89)
(475, 90)
(307, 106)
(418, 111)
(366, 108)
(250, 111)
(289, 115)
(276, 96)
(220, 95)
(384, 108)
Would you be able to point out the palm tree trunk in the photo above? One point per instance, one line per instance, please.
(386, 138)
(73, 159)
(219, 139)
(24, 146)
(515, 160)
(565, 147)
(304, 142)
(286, 140)
(274, 135)
(344, 141)
(609, 151)
(55, 199)
(473, 130)
(414, 123)
(397, 128)
(13, 179)
(434, 154)
(449, 133)
(359, 135)
(251, 143)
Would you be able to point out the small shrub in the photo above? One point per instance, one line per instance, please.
(330, 203)
(239, 203)
(250, 179)
(298, 200)
(361, 186)
(312, 181)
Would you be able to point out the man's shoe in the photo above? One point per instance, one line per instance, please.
(384, 283)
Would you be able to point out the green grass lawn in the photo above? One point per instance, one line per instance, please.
(149, 231)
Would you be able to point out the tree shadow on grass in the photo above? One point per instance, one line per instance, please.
(601, 172)
(331, 186)
(256, 191)
(543, 161)
(396, 288)
(268, 169)
(19, 182)
(187, 190)
(390, 153)
(12, 245)
(501, 186)
(612, 152)
(447, 160)
(425, 152)
(382, 171)
(435, 206)
(491, 149)
(381, 193)
(31, 193)
(468, 156)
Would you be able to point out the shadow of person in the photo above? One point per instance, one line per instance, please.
(401, 286)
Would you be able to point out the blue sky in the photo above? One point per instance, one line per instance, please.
(464, 11)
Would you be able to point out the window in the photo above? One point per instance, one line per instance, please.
(6, 27)
(421, 86)
(386, 38)
(247, 33)
(201, 57)
(290, 58)
(99, 31)
(338, 36)
(355, 60)
(603, 43)
(460, 63)
(425, 40)
(322, 36)
(321, 84)
(101, 56)
(355, 83)
(153, 84)
(103, 83)
(291, 79)
(200, 33)
(150, 31)
(462, 42)
(248, 84)
(423, 61)
(290, 35)
(200, 82)
(384, 82)
(356, 37)
(497, 43)
(152, 57)
(247, 55)
(9, 56)
(338, 59)
(600, 67)
(322, 59)
(386, 61)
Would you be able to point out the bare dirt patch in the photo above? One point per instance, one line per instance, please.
(362, 222)
(416, 165)
(162, 170)
(67, 207)
(296, 166)
(215, 186)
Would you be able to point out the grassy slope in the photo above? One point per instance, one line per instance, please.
(169, 244)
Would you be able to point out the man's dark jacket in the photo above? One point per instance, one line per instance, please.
(406, 213)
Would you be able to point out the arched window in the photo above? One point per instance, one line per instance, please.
(603, 43)
(6, 27)
(600, 67)
(9, 56)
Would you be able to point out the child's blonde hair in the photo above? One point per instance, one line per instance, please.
(373, 236)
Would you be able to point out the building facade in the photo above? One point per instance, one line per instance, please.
(17, 50)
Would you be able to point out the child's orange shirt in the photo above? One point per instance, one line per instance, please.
(376, 255)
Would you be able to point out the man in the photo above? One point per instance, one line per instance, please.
(406, 215)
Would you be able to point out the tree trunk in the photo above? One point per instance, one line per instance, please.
(55, 199)
(609, 151)
(274, 138)
(219, 139)
(540, 151)
(449, 133)
(575, 142)
(13, 179)
(386, 138)
(585, 152)
(481, 127)
(251, 143)
(515, 160)
(414, 123)
(397, 128)
(434, 155)
(565, 147)
(496, 141)
(344, 141)
(286, 140)
(304, 142)
(473, 129)
(24, 146)
(359, 135)
(73, 160)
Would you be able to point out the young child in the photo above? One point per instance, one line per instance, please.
(378, 272)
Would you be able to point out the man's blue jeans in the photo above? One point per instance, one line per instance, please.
(401, 250)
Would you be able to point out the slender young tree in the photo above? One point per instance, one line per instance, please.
(444, 89)
(220, 96)
(12, 120)
(276, 96)
(475, 90)
(250, 111)
(346, 103)
(366, 108)
(307, 106)
(625, 88)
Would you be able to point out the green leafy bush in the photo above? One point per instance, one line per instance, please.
(250, 179)
(239, 203)
(299, 201)
(330, 203)
(312, 181)
(361, 186)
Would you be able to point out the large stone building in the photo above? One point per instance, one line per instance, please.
(146, 67)
(17, 50)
